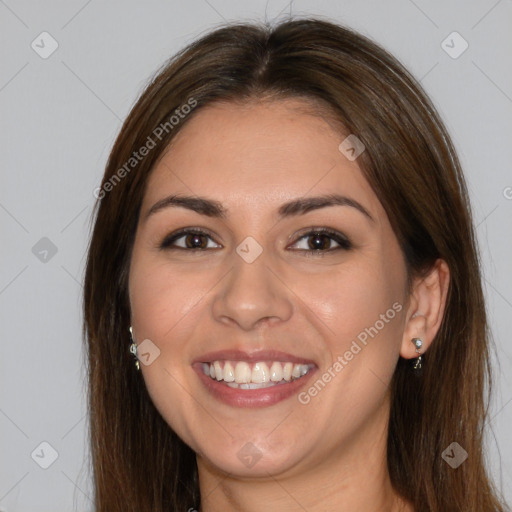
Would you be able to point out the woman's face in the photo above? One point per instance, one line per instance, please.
(270, 262)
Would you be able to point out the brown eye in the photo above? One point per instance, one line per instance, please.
(189, 239)
(322, 240)
(195, 241)
(319, 241)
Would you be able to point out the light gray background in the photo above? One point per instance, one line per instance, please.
(59, 117)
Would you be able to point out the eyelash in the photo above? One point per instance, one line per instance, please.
(343, 242)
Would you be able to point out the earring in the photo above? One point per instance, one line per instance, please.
(133, 349)
(418, 343)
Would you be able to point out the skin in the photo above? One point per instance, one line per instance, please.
(328, 454)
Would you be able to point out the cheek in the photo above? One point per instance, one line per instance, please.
(164, 306)
(354, 300)
(162, 295)
(359, 308)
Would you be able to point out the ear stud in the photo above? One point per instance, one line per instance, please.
(133, 349)
(418, 343)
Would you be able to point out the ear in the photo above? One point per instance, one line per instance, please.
(426, 309)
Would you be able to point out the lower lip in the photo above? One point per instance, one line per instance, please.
(262, 397)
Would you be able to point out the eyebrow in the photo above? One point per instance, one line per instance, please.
(300, 206)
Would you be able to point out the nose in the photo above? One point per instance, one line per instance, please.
(252, 295)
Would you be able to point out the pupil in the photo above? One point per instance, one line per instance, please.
(319, 242)
(195, 241)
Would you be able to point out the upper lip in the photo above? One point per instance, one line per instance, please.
(253, 356)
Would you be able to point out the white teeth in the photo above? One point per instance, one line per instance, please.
(218, 370)
(251, 385)
(260, 373)
(240, 374)
(229, 373)
(276, 372)
(287, 371)
(296, 371)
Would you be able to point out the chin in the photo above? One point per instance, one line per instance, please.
(251, 461)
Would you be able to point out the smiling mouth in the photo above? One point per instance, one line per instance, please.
(258, 375)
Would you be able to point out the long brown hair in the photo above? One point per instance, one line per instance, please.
(139, 463)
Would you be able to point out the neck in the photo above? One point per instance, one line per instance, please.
(352, 478)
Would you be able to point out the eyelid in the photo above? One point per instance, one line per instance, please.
(167, 242)
(341, 239)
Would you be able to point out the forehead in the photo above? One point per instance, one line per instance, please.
(258, 155)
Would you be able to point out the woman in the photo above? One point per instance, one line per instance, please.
(283, 238)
